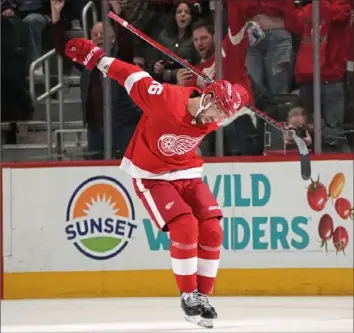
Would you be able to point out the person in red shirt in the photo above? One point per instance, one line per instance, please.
(334, 25)
(166, 171)
(234, 48)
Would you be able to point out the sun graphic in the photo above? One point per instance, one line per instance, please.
(100, 200)
(101, 206)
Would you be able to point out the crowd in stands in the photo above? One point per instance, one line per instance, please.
(279, 63)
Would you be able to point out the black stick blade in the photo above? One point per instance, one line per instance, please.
(304, 157)
(305, 166)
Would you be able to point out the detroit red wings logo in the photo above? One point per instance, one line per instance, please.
(171, 144)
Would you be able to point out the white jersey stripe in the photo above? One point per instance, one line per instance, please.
(208, 267)
(132, 78)
(135, 172)
(184, 266)
(150, 201)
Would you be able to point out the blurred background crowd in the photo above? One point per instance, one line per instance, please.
(68, 122)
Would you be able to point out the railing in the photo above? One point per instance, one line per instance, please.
(80, 142)
(90, 5)
(58, 88)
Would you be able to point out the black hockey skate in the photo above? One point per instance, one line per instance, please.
(190, 304)
(191, 307)
(208, 312)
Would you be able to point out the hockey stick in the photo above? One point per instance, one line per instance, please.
(301, 145)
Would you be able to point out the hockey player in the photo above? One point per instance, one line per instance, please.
(161, 158)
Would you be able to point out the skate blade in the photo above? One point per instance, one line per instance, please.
(203, 322)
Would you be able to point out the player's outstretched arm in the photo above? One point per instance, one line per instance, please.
(89, 55)
(148, 94)
(126, 74)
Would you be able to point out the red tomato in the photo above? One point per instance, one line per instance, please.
(325, 229)
(340, 239)
(344, 209)
(336, 185)
(317, 195)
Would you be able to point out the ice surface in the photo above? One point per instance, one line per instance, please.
(236, 314)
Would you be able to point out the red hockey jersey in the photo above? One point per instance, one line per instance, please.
(165, 141)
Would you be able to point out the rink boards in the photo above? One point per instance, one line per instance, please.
(78, 230)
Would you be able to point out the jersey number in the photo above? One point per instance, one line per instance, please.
(155, 88)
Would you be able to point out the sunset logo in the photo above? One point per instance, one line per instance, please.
(100, 218)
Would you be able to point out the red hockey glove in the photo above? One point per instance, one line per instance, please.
(83, 52)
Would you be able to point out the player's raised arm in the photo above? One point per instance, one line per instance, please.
(141, 87)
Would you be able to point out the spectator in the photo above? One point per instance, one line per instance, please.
(35, 18)
(298, 122)
(125, 114)
(16, 104)
(269, 59)
(234, 46)
(335, 19)
(150, 17)
(178, 38)
(203, 39)
(241, 137)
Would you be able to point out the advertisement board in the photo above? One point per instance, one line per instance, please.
(88, 219)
